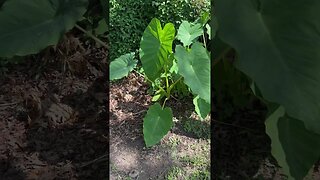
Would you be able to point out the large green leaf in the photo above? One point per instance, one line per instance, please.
(188, 32)
(155, 47)
(30, 26)
(156, 124)
(194, 66)
(295, 148)
(121, 66)
(278, 42)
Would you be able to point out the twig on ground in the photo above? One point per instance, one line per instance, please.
(137, 113)
(228, 124)
(92, 36)
(101, 158)
(9, 104)
(34, 164)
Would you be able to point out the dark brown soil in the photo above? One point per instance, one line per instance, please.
(53, 118)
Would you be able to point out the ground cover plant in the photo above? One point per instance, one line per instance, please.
(279, 56)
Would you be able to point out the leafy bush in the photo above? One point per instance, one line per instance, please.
(128, 19)
(178, 10)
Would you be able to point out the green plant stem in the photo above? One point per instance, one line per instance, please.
(164, 102)
(167, 81)
(92, 36)
(221, 56)
(150, 81)
(204, 40)
(167, 84)
(172, 85)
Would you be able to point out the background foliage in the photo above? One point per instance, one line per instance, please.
(176, 11)
(128, 19)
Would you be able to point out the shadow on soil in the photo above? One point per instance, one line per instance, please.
(187, 124)
(129, 155)
(10, 172)
(79, 150)
(241, 145)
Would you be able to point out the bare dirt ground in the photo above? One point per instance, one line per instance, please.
(53, 118)
(184, 153)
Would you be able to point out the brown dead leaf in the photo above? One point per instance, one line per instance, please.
(32, 103)
(77, 64)
(60, 114)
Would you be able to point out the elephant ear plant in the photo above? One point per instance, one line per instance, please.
(28, 27)
(165, 69)
(281, 56)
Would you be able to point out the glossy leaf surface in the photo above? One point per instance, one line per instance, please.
(155, 47)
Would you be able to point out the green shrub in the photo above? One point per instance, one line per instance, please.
(177, 10)
(128, 19)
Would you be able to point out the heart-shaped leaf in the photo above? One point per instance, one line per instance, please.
(121, 66)
(30, 26)
(202, 108)
(155, 47)
(188, 32)
(295, 148)
(280, 53)
(156, 124)
(194, 66)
